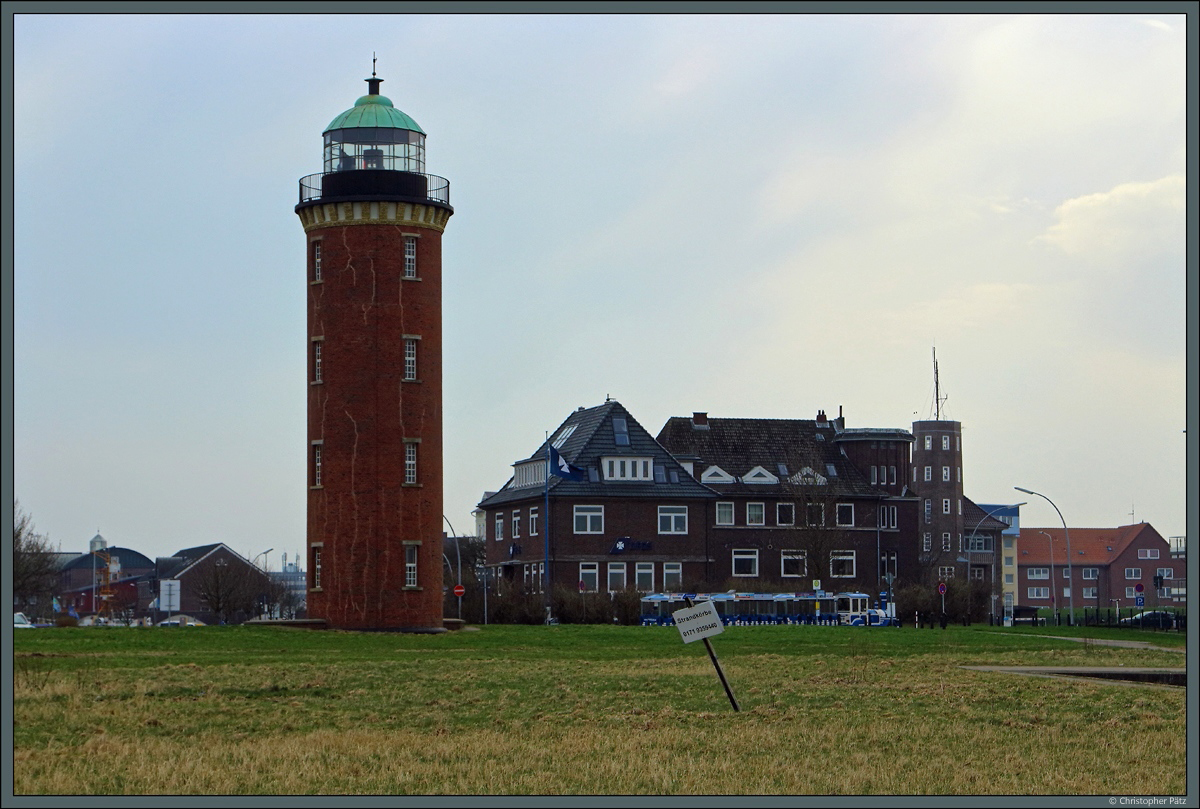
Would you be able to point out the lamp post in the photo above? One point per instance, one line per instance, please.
(1067, 533)
(262, 606)
(264, 553)
(458, 553)
(971, 551)
(1053, 600)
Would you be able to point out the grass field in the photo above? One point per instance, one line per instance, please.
(586, 710)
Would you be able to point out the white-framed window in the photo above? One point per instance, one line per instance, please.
(756, 514)
(1091, 573)
(875, 475)
(1066, 571)
(316, 253)
(946, 572)
(945, 442)
(929, 442)
(499, 526)
(976, 573)
(316, 456)
(516, 524)
(1066, 592)
(979, 544)
(785, 513)
(928, 473)
(946, 541)
(316, 568)
(745, 561)
(1133, 572)
(893, 476)
(533, 521)
(589, 577)
(945, 505)
(928, 510)
(793, 564)
(410, 257)
(1164, 592)
(1089, 592)
(1147, 553)
(672, 576)
(1009, 561)
(1038, 573)
(927, 542)
(410, 563)
(814, 514)
(724, 513)
(842, 564)
(410, 360)
(959, 468)
(887, 516)
(1166, 572)
(410, 462)
(888, 563)
(616, 577)
(1039, 593)
(589, 519)
(960, 507)
(628, 468)
(316, 352)
(845, 514)
(672, 520)
(1008, 578)
(644, 577)
(945, 474)
(1130, 592)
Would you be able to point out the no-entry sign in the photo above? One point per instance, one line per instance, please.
(459, 590)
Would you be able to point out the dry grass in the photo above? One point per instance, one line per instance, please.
(419, 718)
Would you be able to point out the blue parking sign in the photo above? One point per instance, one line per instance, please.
(1140, 601)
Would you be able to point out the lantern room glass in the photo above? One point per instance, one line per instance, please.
(383, 148)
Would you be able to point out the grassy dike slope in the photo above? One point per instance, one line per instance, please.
(585, 710)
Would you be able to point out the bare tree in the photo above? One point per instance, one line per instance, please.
(226, 588)
(34, 571)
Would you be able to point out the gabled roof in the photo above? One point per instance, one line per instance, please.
(976, 519)
(172, 567)
(589, 437)
(783, 447)
(1099, 546)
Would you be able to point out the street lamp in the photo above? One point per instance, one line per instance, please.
(458, 553)
(1053, 600)
(971, 550)
(1067, 533)
(264, 553)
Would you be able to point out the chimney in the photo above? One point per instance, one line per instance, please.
(699, 421)
(821, 417)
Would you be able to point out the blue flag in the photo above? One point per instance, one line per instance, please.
(559, 466)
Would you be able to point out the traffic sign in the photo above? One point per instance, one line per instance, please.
(1139, 587)
(1140, 601)
(459, 590)
(941, 588)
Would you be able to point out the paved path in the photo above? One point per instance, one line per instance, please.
(1127, 644)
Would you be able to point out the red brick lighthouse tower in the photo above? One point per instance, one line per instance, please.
(373, 222)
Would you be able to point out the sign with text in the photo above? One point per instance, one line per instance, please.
(700, 621)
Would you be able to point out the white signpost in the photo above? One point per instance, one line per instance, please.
(699, 622)
(168, 596)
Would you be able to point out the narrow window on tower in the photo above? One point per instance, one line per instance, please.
(316, 564)
(316, 462)
(316, 352)
(410, 359)
(410, 463)
(316, 261)
(410, 562)
(410, 257)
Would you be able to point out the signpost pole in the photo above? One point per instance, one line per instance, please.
(717, 665)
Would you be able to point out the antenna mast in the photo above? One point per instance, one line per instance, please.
(938, 399)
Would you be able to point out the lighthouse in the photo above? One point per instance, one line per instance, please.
(373, 222)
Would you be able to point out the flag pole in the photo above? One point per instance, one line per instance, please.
(548, 598)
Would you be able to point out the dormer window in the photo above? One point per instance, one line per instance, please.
(759, 475)
(628, 468)
(715, 474)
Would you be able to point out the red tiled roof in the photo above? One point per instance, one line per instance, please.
(1098, 545)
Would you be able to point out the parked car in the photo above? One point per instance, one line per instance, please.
(20, 621)
(1150, 619)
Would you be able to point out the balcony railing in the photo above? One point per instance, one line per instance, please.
(375, 184)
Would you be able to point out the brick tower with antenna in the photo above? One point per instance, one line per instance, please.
(373, 222)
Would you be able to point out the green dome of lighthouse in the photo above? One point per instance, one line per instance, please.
(374, 111)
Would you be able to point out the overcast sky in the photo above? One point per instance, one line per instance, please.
(753, 216)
